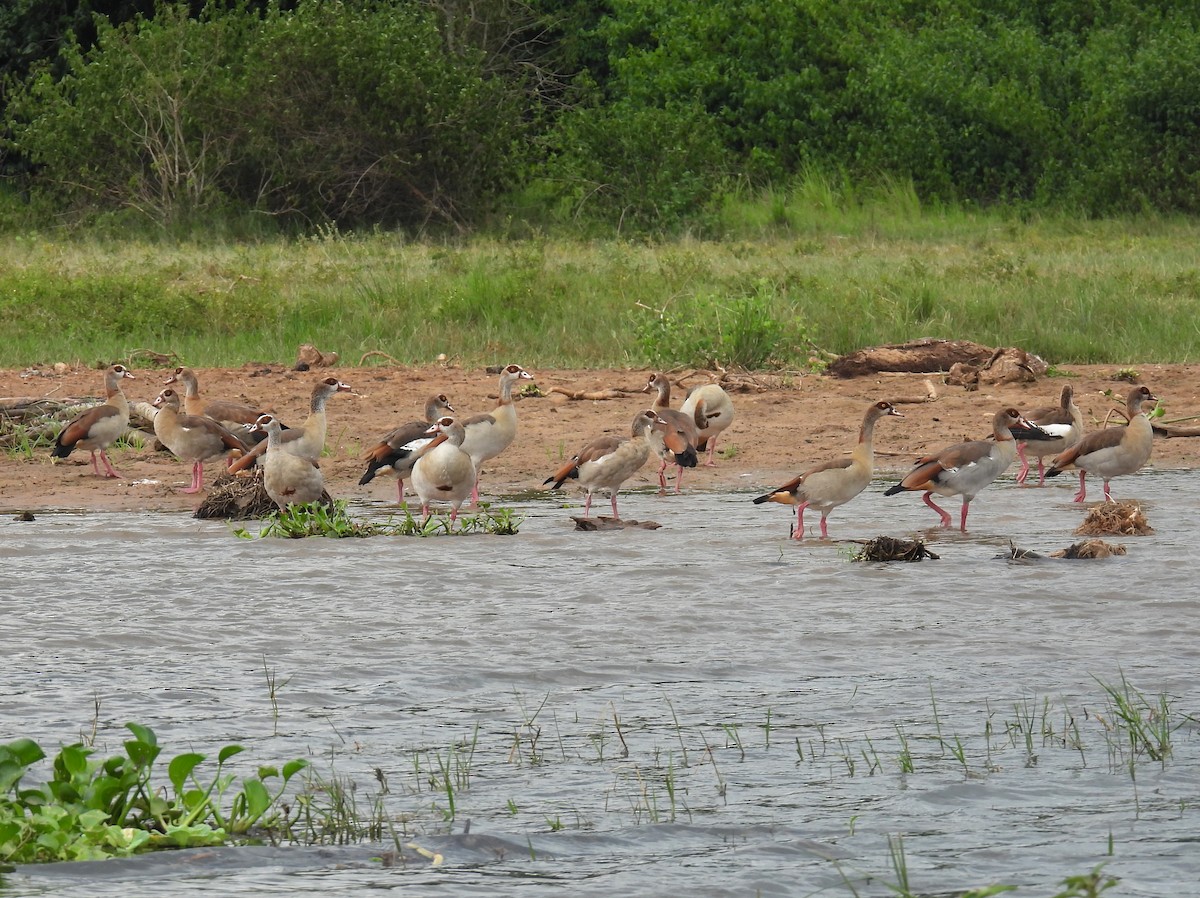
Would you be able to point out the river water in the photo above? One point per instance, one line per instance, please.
(707, 707)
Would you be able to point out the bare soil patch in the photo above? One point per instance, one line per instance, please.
(783, 426)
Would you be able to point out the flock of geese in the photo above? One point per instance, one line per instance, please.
(442, 456)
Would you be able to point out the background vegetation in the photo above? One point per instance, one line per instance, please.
(629, 181)
(633, 114)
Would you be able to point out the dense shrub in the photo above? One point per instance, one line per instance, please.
(348, 112)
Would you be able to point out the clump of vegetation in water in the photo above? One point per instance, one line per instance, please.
(89, 809)
(320, 519)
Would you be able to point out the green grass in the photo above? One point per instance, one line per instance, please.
(813, 268)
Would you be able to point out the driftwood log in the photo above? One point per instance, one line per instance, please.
(917, 357)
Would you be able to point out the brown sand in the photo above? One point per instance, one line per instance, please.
(780, 430)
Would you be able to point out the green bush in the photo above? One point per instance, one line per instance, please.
(356, 113)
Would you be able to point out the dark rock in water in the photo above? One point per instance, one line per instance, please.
(24, 516)
(604, 523)
(888, 548)
(241, 498)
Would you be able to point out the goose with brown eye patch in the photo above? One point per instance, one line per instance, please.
(98, 427)
(193, 438)
(964, 469)
(836, 482)
(606, 462)
(307, 440)
(398, 450)
(444, 472)
(287, 478)
(676, 438)
(1113, 451)
(487, 435)
(1063, 421)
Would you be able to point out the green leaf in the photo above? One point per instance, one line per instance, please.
(142, 733)
(181, 768)
(258, 800)
(228, 752)
(23, 751)
(291, 768)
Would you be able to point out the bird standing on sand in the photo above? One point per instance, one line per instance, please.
(98, 427)
(194, 438)
(307, 440)
(490, 433)
(607, 462)
(833, 483)
(679, 433)
(966, 468)
(712, 410)
(1112, 451)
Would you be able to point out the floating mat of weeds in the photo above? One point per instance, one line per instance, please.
(889, 548)
(1117, 519)
(241, 498)
(605, 523)
(1090, 548)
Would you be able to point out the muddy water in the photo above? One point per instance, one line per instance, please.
(705, 707)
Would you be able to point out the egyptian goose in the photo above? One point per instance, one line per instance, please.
(679, 433)
(607, 462)
(490, 433)
(966, 468)
(1063, 421)
(833, 483)
(444, 472)
(194, 438)
(307, 440)
(399, 450)
(712, 410)
(1112, 451)
(98, 427)
(228, 414)
(288, 478)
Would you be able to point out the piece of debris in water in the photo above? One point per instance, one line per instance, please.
(605, 523)
(1017, 554)
(1089, 548)
(1116, 519)
(888, 548)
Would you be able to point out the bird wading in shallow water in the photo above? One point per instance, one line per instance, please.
(964, 469)
(607, 462)
(1063, 421)
(833, 483)
(1113, 451)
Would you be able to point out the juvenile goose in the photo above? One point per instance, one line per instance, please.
(1112, 451)
(399, 449)
(288, 478)
(712, 409)
(489, 434)
(833, 483)
(193, 438)
(607, 462)
(226, 413)
(1063, 421)
(98, 428)
(966, 468)
(307, 440)
(679, 433)
(444, 472)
